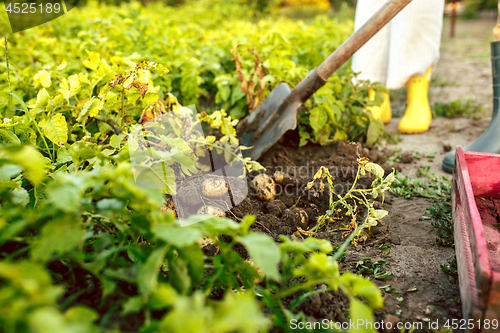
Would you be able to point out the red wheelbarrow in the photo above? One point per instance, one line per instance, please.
(476, 218)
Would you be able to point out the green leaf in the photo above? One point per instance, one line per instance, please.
(43, 78)
(193, 256)
(178, 237)
(164, 296)
(179, 274)
(8, 171)
(240, 313)
(46, 319)
(70, 87)
(110, 204)
(334, 112)
(133, 305)
(9, 135)
(318, 118)
(65, 196)
(63, 155)
(375, 131)
(92, 61)
(361, 314)
(30, 159)
(309, 245)
(360, 286)
(116, 140)
(247, 221)
(20, 196)
(264, 252)
(57, 237)
(148, 275)
(379, 213)
(55, 129)
(81, 314)
(90, 109)
(158, 176)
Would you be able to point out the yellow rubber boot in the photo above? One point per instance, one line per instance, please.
(418, 115)
(382, 112)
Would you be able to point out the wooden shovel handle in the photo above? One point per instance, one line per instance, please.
(360, 37)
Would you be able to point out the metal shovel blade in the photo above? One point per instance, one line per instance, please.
(260, 116)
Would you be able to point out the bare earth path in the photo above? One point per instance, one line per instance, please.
(464, 72)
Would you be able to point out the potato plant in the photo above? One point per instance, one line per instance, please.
(349, 202)
(83, 248)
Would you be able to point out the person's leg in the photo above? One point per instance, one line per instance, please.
(370, 61)
(414, 51)
(489, 141)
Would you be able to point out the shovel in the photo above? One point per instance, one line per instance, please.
(278, 112)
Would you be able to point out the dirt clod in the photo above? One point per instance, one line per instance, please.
(276, 208)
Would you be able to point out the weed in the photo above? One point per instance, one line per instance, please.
(458, 108)
(366, 268)
(383, 246)
(430, 155)
(388, 289)
(450, 268)
(393, 159)
(428, 187)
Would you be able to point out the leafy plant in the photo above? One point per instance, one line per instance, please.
(338, 112)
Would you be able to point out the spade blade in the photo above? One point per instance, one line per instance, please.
(260, 116)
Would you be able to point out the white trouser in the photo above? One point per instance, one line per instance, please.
(407, 46)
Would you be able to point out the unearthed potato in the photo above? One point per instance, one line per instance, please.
(169, 206)
(214, 187)
(296, 216)
(211, 210)
(264, 186)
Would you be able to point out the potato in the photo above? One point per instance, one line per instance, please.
(169, 206)
(264, 187)
(214, 187)
(211, 210)
(296, 216)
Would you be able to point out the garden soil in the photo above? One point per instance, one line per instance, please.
(418, 291)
